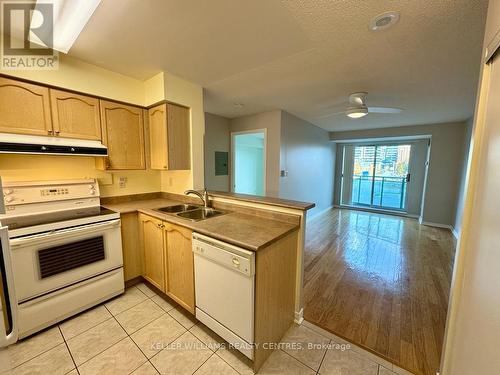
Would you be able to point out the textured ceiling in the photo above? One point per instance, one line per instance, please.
(301, 56)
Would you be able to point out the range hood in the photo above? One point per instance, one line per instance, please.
(30, 144)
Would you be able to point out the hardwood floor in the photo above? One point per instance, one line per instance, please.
(381, 282)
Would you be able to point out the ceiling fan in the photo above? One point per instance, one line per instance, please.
(357, 108)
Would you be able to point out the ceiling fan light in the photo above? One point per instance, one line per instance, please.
(356, 112)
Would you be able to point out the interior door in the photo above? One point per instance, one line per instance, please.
(249, 162)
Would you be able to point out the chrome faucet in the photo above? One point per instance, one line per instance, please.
(203, 196)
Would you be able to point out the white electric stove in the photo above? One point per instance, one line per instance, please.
(61, 254)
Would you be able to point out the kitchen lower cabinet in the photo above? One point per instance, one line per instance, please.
(168, 261)
(131, 243)
(179, 265)
(151, 235)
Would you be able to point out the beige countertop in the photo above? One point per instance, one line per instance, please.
(244, 230)
(271, 201)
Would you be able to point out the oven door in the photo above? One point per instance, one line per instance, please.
(46, 262)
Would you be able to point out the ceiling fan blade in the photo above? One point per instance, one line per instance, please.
(384, 110)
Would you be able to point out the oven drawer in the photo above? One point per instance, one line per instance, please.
(46, 262)
(55, 307)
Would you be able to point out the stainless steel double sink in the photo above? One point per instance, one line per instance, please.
(191, 212)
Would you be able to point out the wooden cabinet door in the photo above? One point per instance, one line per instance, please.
(158, 145)
(24, 108)
(169, 137)
(180, 265)
(179, 137)
(131, 245)
(75, 116)
(123, 134)
(151, 232)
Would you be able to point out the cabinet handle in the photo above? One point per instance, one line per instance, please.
(50, 132)
(57, 132)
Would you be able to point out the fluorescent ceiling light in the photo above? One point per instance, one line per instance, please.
(356, 112)
(70, 17)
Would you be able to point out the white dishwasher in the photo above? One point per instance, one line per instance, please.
(224, 285)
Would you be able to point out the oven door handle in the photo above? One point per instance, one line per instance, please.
(15, 242)
(8, 333)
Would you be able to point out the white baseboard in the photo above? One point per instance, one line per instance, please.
(437, 225)
(312, 218)
(299, 316)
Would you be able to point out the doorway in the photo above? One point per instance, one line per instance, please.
(248, 161)
(376, 176)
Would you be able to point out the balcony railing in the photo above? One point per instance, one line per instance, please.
(379, 191)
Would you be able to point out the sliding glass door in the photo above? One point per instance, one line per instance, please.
(378, 177)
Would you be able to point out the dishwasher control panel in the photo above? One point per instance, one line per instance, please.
(227, 255)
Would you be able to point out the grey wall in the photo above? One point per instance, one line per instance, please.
(445, 164)
(309, 157)
(216, 139)
(272, 122)
(463, 176)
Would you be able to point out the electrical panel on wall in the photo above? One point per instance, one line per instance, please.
(221, 163)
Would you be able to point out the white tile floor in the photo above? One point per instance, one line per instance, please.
(142, 333)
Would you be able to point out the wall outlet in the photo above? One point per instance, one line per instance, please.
(122, 182)
(284, 173)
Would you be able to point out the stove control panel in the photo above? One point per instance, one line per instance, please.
(17, 193)
(54, 192)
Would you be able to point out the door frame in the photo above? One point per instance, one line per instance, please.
(377, 144)
(264, 159)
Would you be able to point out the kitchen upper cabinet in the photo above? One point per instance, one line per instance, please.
(169, 137)
(75, 116)
(179, 265)
(151, 234)
(24, 108)
(123, 134)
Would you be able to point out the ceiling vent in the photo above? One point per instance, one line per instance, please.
(384, 21)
